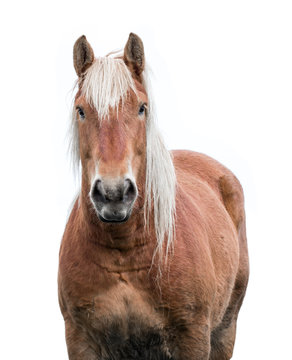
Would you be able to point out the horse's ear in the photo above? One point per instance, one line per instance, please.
(83, 55)
(134, 55)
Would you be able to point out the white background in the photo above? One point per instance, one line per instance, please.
(223, 86)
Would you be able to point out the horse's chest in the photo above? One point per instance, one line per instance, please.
(124, 325)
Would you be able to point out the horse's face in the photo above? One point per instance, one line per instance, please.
(112, 153)
(112, 147)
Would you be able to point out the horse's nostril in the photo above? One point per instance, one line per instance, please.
(98, 192)
(130, 190)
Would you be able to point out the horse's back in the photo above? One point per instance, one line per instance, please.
(193, 168)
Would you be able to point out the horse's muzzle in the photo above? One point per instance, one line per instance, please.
(113, 200)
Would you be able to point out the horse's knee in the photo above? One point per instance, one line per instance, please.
(222, 341)
(193, 343)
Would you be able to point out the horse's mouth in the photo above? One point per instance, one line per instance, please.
(112, 220)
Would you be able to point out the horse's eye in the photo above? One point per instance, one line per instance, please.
(142, 109)
(80, 112)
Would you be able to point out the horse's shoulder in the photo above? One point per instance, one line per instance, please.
(193, 167)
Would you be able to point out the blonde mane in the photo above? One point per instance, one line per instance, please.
(107, 83)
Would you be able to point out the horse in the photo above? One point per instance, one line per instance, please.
(153, 262)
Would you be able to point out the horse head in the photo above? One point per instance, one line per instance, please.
(110, 109)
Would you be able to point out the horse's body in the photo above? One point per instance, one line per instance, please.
(121, 301)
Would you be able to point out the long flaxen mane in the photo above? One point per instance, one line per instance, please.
(106, 83)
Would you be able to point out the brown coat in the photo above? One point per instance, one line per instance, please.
(111, 294)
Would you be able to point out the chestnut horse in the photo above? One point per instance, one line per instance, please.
(153, 261)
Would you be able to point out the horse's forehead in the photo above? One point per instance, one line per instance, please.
(140, 90)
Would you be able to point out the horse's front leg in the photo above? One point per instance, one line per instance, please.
(193, 339)
(78, 344)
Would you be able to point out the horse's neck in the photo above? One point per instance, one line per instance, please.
(122, 236)
(114, 247)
